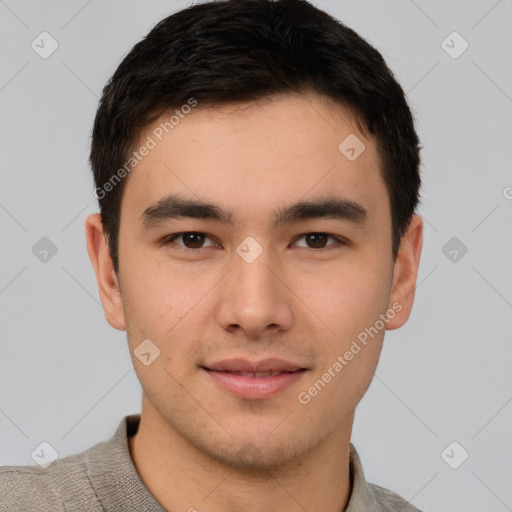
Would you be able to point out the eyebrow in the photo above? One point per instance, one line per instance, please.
(175, 206)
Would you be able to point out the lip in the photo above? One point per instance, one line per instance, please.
(243, 365)
(228, 376)
(256, 388)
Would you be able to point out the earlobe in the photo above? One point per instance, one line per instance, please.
(405, 273)
(106, 278)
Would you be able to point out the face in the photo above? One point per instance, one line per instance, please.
(226, 288)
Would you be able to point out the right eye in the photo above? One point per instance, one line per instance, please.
(190, 239)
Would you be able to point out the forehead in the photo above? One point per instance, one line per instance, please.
(253, 158)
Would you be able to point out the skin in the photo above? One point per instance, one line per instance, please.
(198, 446)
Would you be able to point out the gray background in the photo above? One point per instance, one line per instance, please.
(66, 376)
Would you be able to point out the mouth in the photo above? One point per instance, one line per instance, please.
(257, 374)
(251, 380)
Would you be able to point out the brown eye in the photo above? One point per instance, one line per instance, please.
(193, 240)
(319, 240)
(190, 240)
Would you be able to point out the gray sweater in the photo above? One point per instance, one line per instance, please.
(104, 479)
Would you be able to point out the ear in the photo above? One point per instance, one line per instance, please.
(405, 273)
(106, 278)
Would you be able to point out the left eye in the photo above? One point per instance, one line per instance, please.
(319, 240)
(195, 240)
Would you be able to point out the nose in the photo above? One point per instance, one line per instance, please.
(255, 299)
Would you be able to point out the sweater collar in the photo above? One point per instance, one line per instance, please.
(113, 475)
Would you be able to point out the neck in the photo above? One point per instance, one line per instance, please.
(180, 477)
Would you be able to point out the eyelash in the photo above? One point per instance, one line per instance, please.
(170, 240)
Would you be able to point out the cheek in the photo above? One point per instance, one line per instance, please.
(352, 302)
(149, 306)
(345, 298)
(157, 297)
(349, 353)
(339, 386)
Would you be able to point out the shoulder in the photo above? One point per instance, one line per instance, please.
(28, 488)
(75, 482)
(37, 488)
(367, 497)
(390, 501)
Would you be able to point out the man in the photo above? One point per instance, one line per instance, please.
(256, 166)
